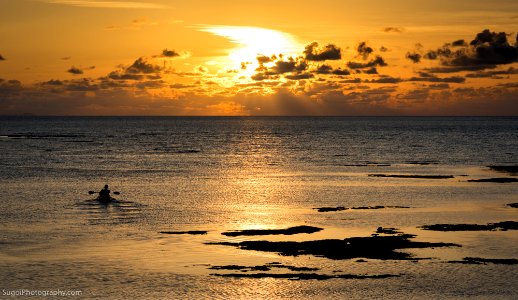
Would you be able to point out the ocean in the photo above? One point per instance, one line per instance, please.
(218, 175)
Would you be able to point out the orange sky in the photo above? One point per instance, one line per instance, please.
(329, 57)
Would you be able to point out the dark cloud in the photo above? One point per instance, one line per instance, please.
(386, 79)
(378, 61)
(9, 87)
(454, 79)
(370, 71)
(393, 29)
(121, 75)
(299, 76)
(459, 69)
(324, 69)
(363, 50)
(329, 52)
(142, 66)
(439, 86)
(263, 59)
(151, 84)
(66, 58)
(75, 71)
(291, 65)
(1, 57)
(82, 85)
(169, 53)
(53, 82)
(415, 57)
(459, 43)
(487, 50)
(341, 72)
(509, 85)
(493, 74)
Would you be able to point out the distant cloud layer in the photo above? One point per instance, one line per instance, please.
(319, 80)
(106, 4)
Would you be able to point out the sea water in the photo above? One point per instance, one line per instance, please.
(226, 174)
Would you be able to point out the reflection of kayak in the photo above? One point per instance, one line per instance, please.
(105, 199)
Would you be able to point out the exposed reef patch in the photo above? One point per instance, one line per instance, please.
(340, 208)
(485, 261)
(266, 267)
(191, 232)
(505, 225)
(373, 247)
(413, 176)
(287, 231)
(305, 276)
(506, 169)
(497, 180)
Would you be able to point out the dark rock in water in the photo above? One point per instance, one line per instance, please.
(514, 205)
(506, 225)
(306, 276)
(287, 231)
(266, 267)
(188, 151)
(422, 163)
(507, 169)
(327, 209)
(367, 165)
(193, 232)
(374, 247)
(387, 230)
(340, 208)
(498, 180)
(480, 261)
(413, 176)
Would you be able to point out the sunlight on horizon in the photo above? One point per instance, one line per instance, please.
(254, 41)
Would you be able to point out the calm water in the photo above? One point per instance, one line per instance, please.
(221, 174)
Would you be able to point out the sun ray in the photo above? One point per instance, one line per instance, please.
(253, 41)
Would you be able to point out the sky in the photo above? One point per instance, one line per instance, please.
(254, 58)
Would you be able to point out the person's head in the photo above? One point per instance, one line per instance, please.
(106, 186)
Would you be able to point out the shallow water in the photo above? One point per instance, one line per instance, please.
(225, 174)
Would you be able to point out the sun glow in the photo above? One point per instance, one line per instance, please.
(254, 41)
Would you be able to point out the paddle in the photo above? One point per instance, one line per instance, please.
(92, 192)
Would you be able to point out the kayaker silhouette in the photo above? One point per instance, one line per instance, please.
(104, 194)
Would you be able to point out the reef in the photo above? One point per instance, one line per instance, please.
(505, 225)
(373, 247)
(287, 231)
(192, 232)
(413, 176)
(484, 261)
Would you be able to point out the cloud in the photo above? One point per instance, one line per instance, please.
(142, 66)
(53, 82)
(299, 76)
(493, 74)
(75, 71)
(378, 61)
(363, 50)
(107, 4)
(1, 57)
(415, 57)
(66, 58)
(371, 71)
(393, 29)
(329, 52)
(486, 50)
(10, 87)
(453, 79)
(169, 53)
